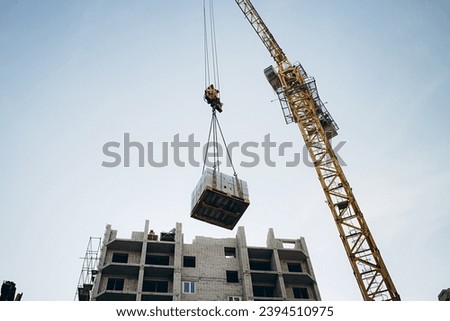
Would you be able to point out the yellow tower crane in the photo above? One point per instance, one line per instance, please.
(301, 104)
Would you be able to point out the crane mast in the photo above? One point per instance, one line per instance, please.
(302, 105)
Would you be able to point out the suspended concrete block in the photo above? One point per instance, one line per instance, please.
(219, 199)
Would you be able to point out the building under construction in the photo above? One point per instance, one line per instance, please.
(161, 267)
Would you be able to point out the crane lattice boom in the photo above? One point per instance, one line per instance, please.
(294, 90)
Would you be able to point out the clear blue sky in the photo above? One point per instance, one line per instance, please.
(78, 74)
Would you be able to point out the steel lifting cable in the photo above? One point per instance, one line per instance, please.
(211, 57)
(239, 187)
(207, 144)
(216, 143)
(205, 46)
(226, 147)
(214, 46)
(214, 125)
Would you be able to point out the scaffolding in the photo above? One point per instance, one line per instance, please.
(88, 270)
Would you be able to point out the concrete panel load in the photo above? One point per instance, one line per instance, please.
(219, 199)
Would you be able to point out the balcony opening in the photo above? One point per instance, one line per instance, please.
(120, 257)
(260, 265)
(295, 267)
(155, 286)
(157, 259)
(263, 291)
(115, 284)
(300, 293)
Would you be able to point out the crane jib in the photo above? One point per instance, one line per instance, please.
(301, 104)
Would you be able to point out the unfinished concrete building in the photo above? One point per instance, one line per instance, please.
(151, 267)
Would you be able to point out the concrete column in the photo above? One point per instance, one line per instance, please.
(142, 262)
(270, 240)
(101, 262)
(308, 262)
(274, 244)
(178, 259)
(244, 263)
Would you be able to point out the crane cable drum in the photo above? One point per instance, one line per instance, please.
(218, 199)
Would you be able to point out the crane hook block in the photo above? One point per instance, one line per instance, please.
(212, 98)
